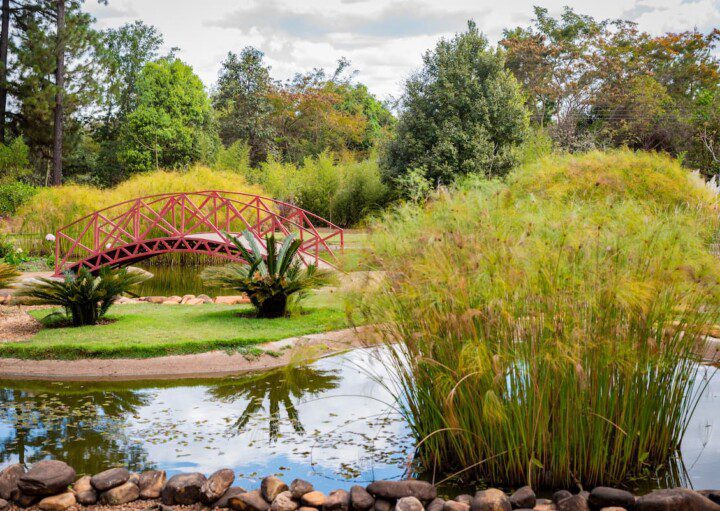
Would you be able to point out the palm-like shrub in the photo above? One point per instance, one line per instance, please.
(268, 279)
(8, 274)
(85, 297)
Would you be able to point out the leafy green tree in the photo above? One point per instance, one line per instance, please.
(706, 127)
(172, 125)
(462, 113)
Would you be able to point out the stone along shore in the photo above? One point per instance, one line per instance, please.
(54, 486)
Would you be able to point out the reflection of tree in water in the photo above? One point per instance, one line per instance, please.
(279, 389)
(75, 423)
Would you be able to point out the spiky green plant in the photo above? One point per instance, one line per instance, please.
(8, 274)
(546, 330)
(269, 278)
(85, 297)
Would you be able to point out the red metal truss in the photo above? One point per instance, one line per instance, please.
(194, 222)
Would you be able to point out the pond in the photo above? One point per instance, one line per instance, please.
(328, 422)
(176, 279)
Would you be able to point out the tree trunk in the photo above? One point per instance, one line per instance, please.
(4, 39)
(59, 93)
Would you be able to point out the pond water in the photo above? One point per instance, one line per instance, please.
(328, 422)
(176, 279)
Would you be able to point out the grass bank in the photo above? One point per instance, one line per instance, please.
(147, 330)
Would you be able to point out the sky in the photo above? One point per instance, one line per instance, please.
(384, 39)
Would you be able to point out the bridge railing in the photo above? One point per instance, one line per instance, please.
(120, 233)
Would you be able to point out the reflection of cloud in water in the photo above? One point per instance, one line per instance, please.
(348, 432)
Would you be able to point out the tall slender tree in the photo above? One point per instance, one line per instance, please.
(59, 94)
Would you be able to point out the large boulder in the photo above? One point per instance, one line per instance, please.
(84, 492)
(491, 500)
(48, 477)
(523, 498)
(249, 501)
(675, 499)
(57, 502)
(271, 487)
(119, 495)
(394, 490)
(9, 478)
(224, 501)
(183, 489)
(151, 483)
(603, 496)
(109, 479)
(360, 499)
(216, 485)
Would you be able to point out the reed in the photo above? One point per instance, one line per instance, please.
(543, 330)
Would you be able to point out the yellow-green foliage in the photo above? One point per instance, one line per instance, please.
(540, 319)
(52, 208)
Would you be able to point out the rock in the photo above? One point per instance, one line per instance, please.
(603, 496)
(154, 299)
(249, 501)
(546, 505)
(338, 500)
(393, 490)
(523, 497)
(24, 500)
(216, 485)
(231, 300)
(151, 483)
(231, 492)
(300, 487)
(713, 495)
(574, 503)
(360, 499)
(560, 495)
(47, 477)
(134, 478)
(383, 505)
(9, 478)
(675, 499)
(119, 495)
(109, 479)
(182, 489)
(195, 301)
(313, 499)
(284, 502)
(491, 500)
(467, 499)
(613, 508)
(454, 505)
(187, 298)
(204, 298)
(171, 300)
(306, 508)
(271, 487)
(436, 505)
(4, 504)
(85, 494)
(409, 504)
(57, 502)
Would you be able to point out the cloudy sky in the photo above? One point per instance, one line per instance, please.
(384, 39)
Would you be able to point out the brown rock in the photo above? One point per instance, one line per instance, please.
(224, 501)
(183, 489)
(675, 499)
(603, 496)
(284, 502)
(409, 504)
(195, 301)
(154, 299)
(436, 505)
(383, 505)
(306, 508)
(467, 499)
(187, 298)
(523, 497)
(9, 478)
(134, 478)
(574, 503)
(47, 477)
(119, 495)
(271, 487)
(231, 300)
(338, 500)
(300, 487)
(216, 485)
(109, 479)
(85, 494)
(360, 499)
(393, 490)
(491, 500)
(204, 298)
(151, 484)
(454, 505)
(4, 504)
(57, 502)
(313, 499)
(249, 501)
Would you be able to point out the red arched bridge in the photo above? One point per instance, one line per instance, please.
(195, 222)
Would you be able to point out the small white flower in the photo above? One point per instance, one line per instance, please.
(19, 250)
(108, 245)
(49, 237)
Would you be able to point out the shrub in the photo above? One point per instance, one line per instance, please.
(269, 277)
(548, 326)
(13, 195)
(85, 297)
(8, 274)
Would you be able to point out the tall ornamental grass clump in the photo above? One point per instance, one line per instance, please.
(543, 330)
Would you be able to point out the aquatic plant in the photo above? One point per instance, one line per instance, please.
(543, 330)
(85, 297)
(269, 276)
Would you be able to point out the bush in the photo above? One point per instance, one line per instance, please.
(548, 325)
(8, 274)
(13, 195)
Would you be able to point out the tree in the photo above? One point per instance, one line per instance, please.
(706, 136)
(172, 125)
(462, 113)
(242, 104)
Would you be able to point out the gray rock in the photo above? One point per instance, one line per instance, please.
(409, 504)
(603, 496)
(224, 500)
(436, 505)
(109, 479)
(183, 489)
(574, 503)
(454, 505)
(216, 485)
(383, 505)
(48, 477)
(393, 490)
(57, 502)
(300, 487)
(338, 500)
(284, 502)
(9, 478)
(119, 495)
(491, 500)
(523, 497)
(271, 487)
(249, 501)
(675, 499)
(360, 499)
(151, 483)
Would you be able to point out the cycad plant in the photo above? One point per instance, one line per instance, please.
(268, 279)
(85, 297)
(8, 274)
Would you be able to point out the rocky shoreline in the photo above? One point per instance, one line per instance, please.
(52, 485)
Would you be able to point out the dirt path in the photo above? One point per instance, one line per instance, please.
(16, 324)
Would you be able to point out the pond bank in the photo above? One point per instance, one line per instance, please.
(213, 363)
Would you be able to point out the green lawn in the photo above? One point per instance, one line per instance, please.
(147, 330)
